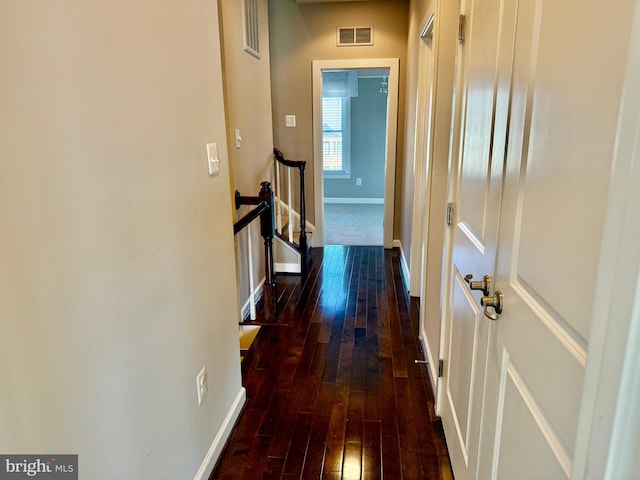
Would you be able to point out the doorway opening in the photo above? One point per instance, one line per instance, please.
(355, 124)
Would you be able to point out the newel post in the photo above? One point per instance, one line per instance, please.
(267, 221)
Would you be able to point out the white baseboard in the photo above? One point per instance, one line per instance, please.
(353, 200)
(404, 266)
(432, 365)
(287, 267)
(257, 294)
(221, 437)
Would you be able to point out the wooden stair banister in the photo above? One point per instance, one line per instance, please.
(265, 211)
(302, 245)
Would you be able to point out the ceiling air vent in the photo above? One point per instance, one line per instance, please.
(352, 36)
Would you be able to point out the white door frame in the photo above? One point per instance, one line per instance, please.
(608, 436)
(458, 106)
(422, 155)
(390, 154)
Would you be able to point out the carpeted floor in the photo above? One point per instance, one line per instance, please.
(353, 224)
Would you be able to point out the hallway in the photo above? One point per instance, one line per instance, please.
(333, 390)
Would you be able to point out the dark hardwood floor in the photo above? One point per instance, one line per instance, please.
(333, 390)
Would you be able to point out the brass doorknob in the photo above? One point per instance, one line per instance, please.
(494, 302)
(485, 284)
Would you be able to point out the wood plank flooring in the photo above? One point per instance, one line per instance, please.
(333, 390)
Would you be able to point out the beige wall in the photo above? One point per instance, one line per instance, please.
(301, 33)
(116, 246)
(247, 88)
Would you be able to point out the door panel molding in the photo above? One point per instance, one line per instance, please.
(472, 236)
(549, 318)
(474, 315)
(515, 399)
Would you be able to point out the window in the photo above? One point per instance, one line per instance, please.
(335, 136)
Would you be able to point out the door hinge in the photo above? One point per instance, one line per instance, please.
(461, 23)
(449, 219)
(440, 368)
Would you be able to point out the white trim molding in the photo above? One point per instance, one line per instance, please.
(287, 267)
(257, 294)
(432, 363)
(403, 264)
(221, 437)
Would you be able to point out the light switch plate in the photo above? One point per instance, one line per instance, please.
(201, 384)
(213, 161)
(290, 120)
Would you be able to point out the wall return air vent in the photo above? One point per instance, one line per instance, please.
(354, 36)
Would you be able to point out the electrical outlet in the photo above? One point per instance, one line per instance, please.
(201, 384)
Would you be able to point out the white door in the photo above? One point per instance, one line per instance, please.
(482, 80)
(539, 126)
(566, 94)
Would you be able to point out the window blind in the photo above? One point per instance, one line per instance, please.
(332, 129)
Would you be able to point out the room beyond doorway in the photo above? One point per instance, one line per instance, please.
(354, 121)
(354, 164)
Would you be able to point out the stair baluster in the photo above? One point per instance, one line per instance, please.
(302, 245)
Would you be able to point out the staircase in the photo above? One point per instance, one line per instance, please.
(291, 229)
(281, 225)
